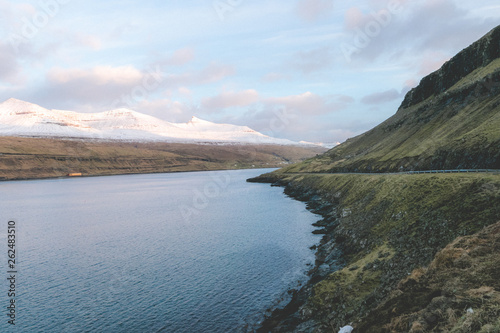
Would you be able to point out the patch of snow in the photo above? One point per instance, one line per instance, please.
(346, 329)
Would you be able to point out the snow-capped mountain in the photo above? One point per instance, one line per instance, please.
(19, 118)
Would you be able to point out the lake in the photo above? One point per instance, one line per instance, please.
(179, 252)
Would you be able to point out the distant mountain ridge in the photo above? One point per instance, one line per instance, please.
(20, 118)
(451, 120)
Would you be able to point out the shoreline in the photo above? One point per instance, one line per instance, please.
(370, 245)
(328, 259)
(128, 174)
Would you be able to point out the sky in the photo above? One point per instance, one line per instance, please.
(312, 70)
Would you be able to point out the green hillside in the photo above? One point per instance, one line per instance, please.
(408, 252)
(380, 228)
(450, 121)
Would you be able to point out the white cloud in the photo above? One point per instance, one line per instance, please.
(230, 99)
(312, 10)
(166, 109)
(10, 69)
(314, 60)
(97, 76)
(179, 57)
(381, 97)
(110, 86)
(416, 28)
(89, 41)
(283, 123)
(97, 88)
(431, 62)
(311, 104)
(185, 91)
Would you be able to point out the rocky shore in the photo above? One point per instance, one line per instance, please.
(328, 259)
(377, 230)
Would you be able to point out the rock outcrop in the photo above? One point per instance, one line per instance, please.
(478, 55)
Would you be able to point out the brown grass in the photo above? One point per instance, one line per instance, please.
(28, 158)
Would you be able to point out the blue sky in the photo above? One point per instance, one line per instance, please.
(314, 70)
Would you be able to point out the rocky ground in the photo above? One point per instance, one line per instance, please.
(458, 292)
(378, 229)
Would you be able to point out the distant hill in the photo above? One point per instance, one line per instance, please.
(39, 143)
(451, 120)
(29, 158)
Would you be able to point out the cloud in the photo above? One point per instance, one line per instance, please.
(312, 10)
(314, 60)
(184, 91)
(166, 109)
(178, 58)
(408, 85)
(230, 99)
(443, 25)
(215, 72)
(312, 104)
(11, 13)
(89, 41)
(381, 97)
(97, 76)
(354, 18)
(411, 83)
(432, 62)
(275, 121)
(96, 88)
(10, 70)
(109, 86)
(345, 99)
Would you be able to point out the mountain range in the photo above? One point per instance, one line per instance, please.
(20, 118)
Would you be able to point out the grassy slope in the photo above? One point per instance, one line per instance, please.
(387, 226)
(25, 158)
(456, 129)
(462, 276)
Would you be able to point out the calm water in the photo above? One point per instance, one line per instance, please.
(187, 252)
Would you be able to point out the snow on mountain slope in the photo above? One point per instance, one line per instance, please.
(19, 118)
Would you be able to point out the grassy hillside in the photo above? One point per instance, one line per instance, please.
(28, 158)
(385, 226)
(451, 120)
(381, 263)
(458, 292)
